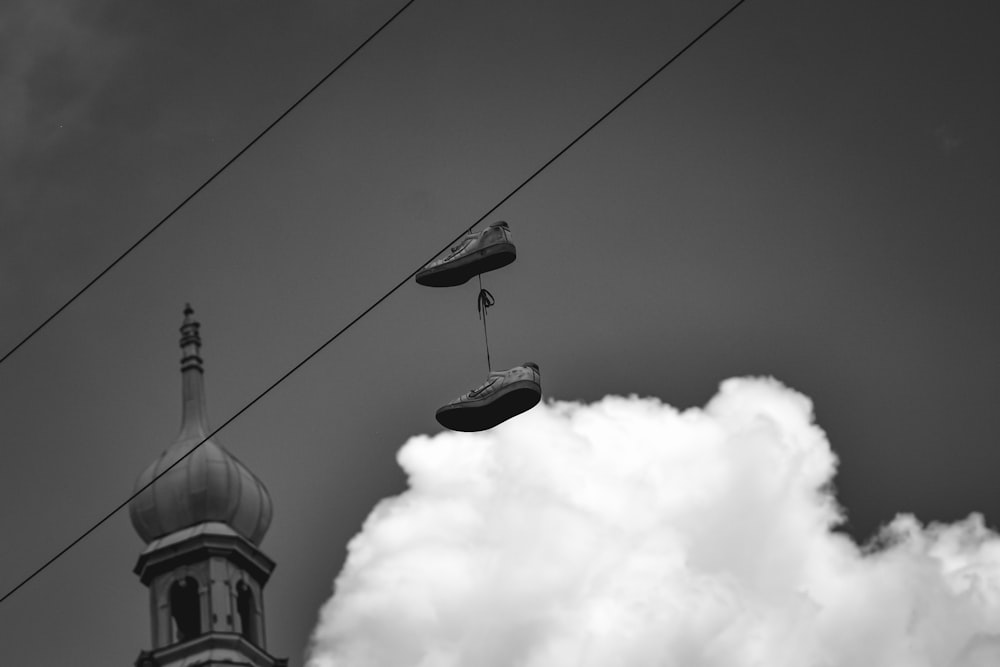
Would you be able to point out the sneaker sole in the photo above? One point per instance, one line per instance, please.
(518, 397)
(458, 272)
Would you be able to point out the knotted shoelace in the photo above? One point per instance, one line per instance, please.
(483, 301)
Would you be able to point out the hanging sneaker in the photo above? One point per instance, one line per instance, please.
(475, 253)
(505, 394)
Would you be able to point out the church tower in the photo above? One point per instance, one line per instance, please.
(202, 523)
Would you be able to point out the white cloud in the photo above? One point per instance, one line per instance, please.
(629, 533)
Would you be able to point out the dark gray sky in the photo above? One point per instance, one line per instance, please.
(810, 193)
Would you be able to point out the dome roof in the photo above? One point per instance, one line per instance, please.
(209, 484)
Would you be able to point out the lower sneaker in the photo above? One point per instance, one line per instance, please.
(505, 394)
(475, 253)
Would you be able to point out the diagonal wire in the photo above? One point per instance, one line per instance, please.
(201, 187)
(372, 307)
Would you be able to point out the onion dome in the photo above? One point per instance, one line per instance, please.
(209, 484)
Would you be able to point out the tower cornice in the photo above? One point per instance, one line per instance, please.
(198, 543)
(218, 648)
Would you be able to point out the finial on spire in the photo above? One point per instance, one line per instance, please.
(194, 416)
(190, 340)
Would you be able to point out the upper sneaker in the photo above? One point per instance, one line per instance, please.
(475, 253)
(505, 394)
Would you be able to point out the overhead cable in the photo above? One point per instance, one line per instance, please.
(201, 187)
(370, 308)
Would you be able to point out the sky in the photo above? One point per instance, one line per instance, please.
(807, 194)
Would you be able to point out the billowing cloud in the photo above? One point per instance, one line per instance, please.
(629, 533)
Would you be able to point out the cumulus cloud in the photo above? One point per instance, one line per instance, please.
(629, 533)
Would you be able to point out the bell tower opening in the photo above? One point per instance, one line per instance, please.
(247, 611)
(185, 609)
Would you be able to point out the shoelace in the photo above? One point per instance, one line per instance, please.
(478, 390)
(462, 244)
(483, 301)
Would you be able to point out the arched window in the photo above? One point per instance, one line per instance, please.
(248, 614)
(185, 609)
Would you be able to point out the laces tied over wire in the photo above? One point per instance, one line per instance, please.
(483, 301)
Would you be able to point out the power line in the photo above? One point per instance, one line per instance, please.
(372, 307)
(201, 187)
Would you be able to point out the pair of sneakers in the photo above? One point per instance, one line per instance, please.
(505, 394)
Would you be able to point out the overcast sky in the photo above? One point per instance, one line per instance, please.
(810, 193)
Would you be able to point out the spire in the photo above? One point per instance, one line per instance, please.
(202, 515)
(209, 485)
(194, 417)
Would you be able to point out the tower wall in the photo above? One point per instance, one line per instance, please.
(206, 588)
